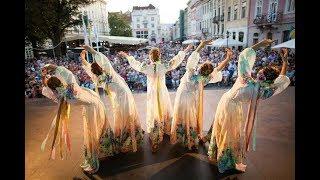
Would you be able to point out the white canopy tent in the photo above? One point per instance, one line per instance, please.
(110, 39)
(287, 44)
(226, 42)
(190, 41)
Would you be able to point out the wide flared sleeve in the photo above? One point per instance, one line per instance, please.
(246, 61)
(103, 62)
(46, 91)
(193, 60)
(280, 84)
(136, 65)
(215, 76)
(175, 61)
(65, 75)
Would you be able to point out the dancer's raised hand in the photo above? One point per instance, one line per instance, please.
(188, 48)
(284, 54)
(267, 42)
(229, 53)
(284, 57)
(206, 42)
(203, 43)
(123, 54)
(83, 57)
(88, 48)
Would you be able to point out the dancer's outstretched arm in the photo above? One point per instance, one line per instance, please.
(136, 65)
(89, 49)
(83, 58)
(284, 57)
(281, 82)
(177, 60)
(263, 43)
(194, 58)
(229, 54)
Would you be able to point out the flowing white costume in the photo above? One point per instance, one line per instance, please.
(231, 133)
(97, 130)
(159, 108)
(128, 135)
(188, 105)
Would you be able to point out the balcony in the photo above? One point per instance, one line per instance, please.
(268, 19)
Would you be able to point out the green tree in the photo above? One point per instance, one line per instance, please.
(119, 24)
(51, 18)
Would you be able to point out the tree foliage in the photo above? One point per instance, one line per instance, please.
(119, 24)
(51, 18)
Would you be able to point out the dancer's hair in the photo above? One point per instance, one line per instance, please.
(96, 69)
(154, 54)
(53, 82)
(270, 72)
(206, 68)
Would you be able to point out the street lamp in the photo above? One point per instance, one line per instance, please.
(227, 37)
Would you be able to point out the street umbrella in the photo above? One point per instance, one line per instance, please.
(190, 41)
(287, 44)
(226, 42)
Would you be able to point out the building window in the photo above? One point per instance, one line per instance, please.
(146, 36)
(138, 36)
(259, 7)
(255, 40)
(273, 7)
(152, 18)
(138, 19)
(145, 25)
(269, 35)
(137, 32)
(222, 28)
(218, 29)
(152, 25)
(285, 36)
(235, 12)
(233, 35)
(153, 32)
(290, 5)
(241, 35)
(229, 13)
(145, 32)
(243, 9)
(138, 25)
(219, 11)
(214, 29)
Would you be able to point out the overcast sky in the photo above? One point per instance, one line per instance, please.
(169, 9)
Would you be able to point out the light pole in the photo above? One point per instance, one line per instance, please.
(227, 37)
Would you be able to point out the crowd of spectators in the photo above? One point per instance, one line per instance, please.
(138, 81)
